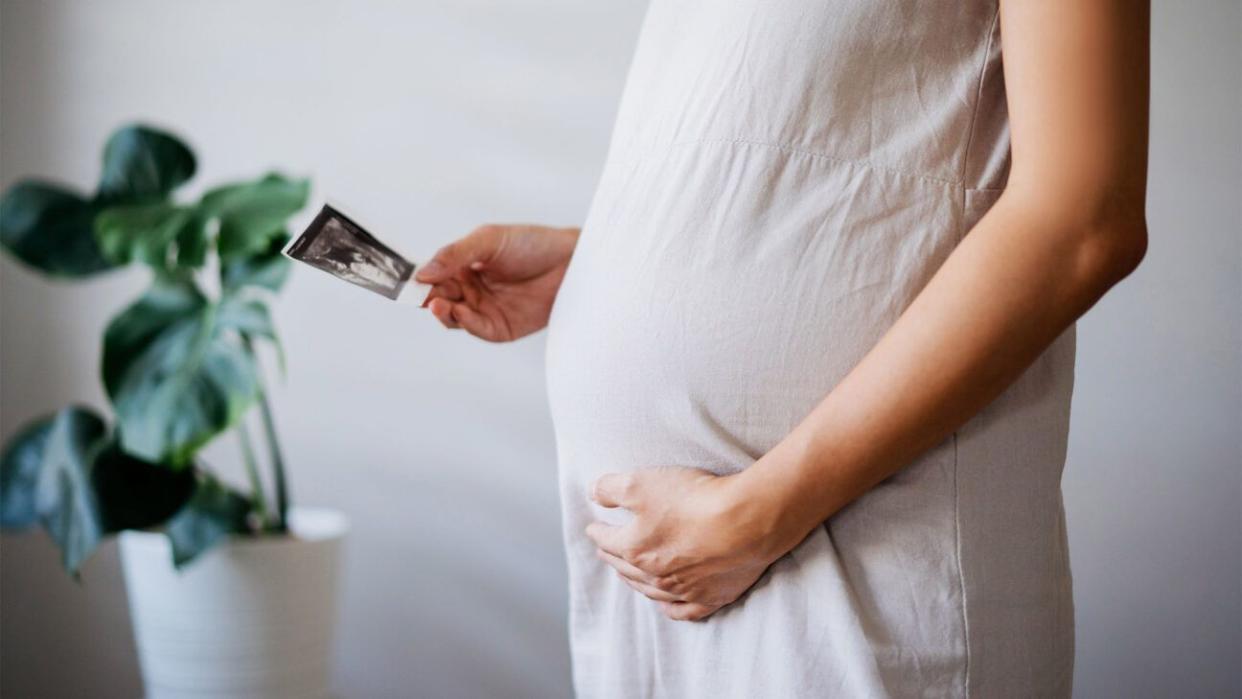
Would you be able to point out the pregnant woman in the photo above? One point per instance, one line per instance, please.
(811, 355)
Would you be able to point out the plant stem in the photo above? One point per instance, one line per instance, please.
(252, 470)
(273, 445)
(278, 463)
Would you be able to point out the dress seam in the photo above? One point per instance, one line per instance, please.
(974, 113)
(795, 150)
(961, 576)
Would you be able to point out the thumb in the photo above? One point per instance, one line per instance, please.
(616, 490)
(456, 256)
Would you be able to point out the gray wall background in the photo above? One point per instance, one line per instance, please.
(431, 117)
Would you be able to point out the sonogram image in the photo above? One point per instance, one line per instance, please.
(342, 248)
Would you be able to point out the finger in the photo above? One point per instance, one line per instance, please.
(481, 244)
(626, 568)
(475, 323)
(471, 289)
(611, 538)
(443, 264)
(618, 490)
(449, 290)
(646, 590)
(686, 611)
(443, 311)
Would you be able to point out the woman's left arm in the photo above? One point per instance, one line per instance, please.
(1069, 225)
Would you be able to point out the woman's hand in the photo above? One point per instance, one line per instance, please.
(498, 283)
(697, 540)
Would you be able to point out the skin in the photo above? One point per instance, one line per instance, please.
(1069, 226)
(498, 282)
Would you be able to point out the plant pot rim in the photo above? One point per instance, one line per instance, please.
(307, 525)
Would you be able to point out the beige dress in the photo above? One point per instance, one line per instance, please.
(784, 177)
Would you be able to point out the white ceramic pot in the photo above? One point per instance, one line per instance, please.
(250, 618)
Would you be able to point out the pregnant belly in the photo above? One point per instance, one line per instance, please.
(656, 362)
(661, 360)
(719, 292)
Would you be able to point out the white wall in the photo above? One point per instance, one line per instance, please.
(1155, 466)
(427, 118)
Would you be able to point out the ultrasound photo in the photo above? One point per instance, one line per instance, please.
(344, 249)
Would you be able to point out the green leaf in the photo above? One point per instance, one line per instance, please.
(46, 472)
(58, 453)
(51, 229)
(162, 235)
(214, 512)
(252, 214)
(65, 499)
(193, 243)
(143, 164)
(268, 269)
(65, 471)
(136, 494)
(248, 316)
(176, 372)
(19, 475)
(252, 319)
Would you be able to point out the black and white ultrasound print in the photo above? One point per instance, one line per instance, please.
(337, 245)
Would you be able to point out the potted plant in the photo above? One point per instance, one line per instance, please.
(231, 591)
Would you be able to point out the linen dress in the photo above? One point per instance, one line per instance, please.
(783, 179)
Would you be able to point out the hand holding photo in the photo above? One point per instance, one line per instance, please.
(337, 245)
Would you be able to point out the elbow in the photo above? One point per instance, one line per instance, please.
(1100, 232)
(1110, 249)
